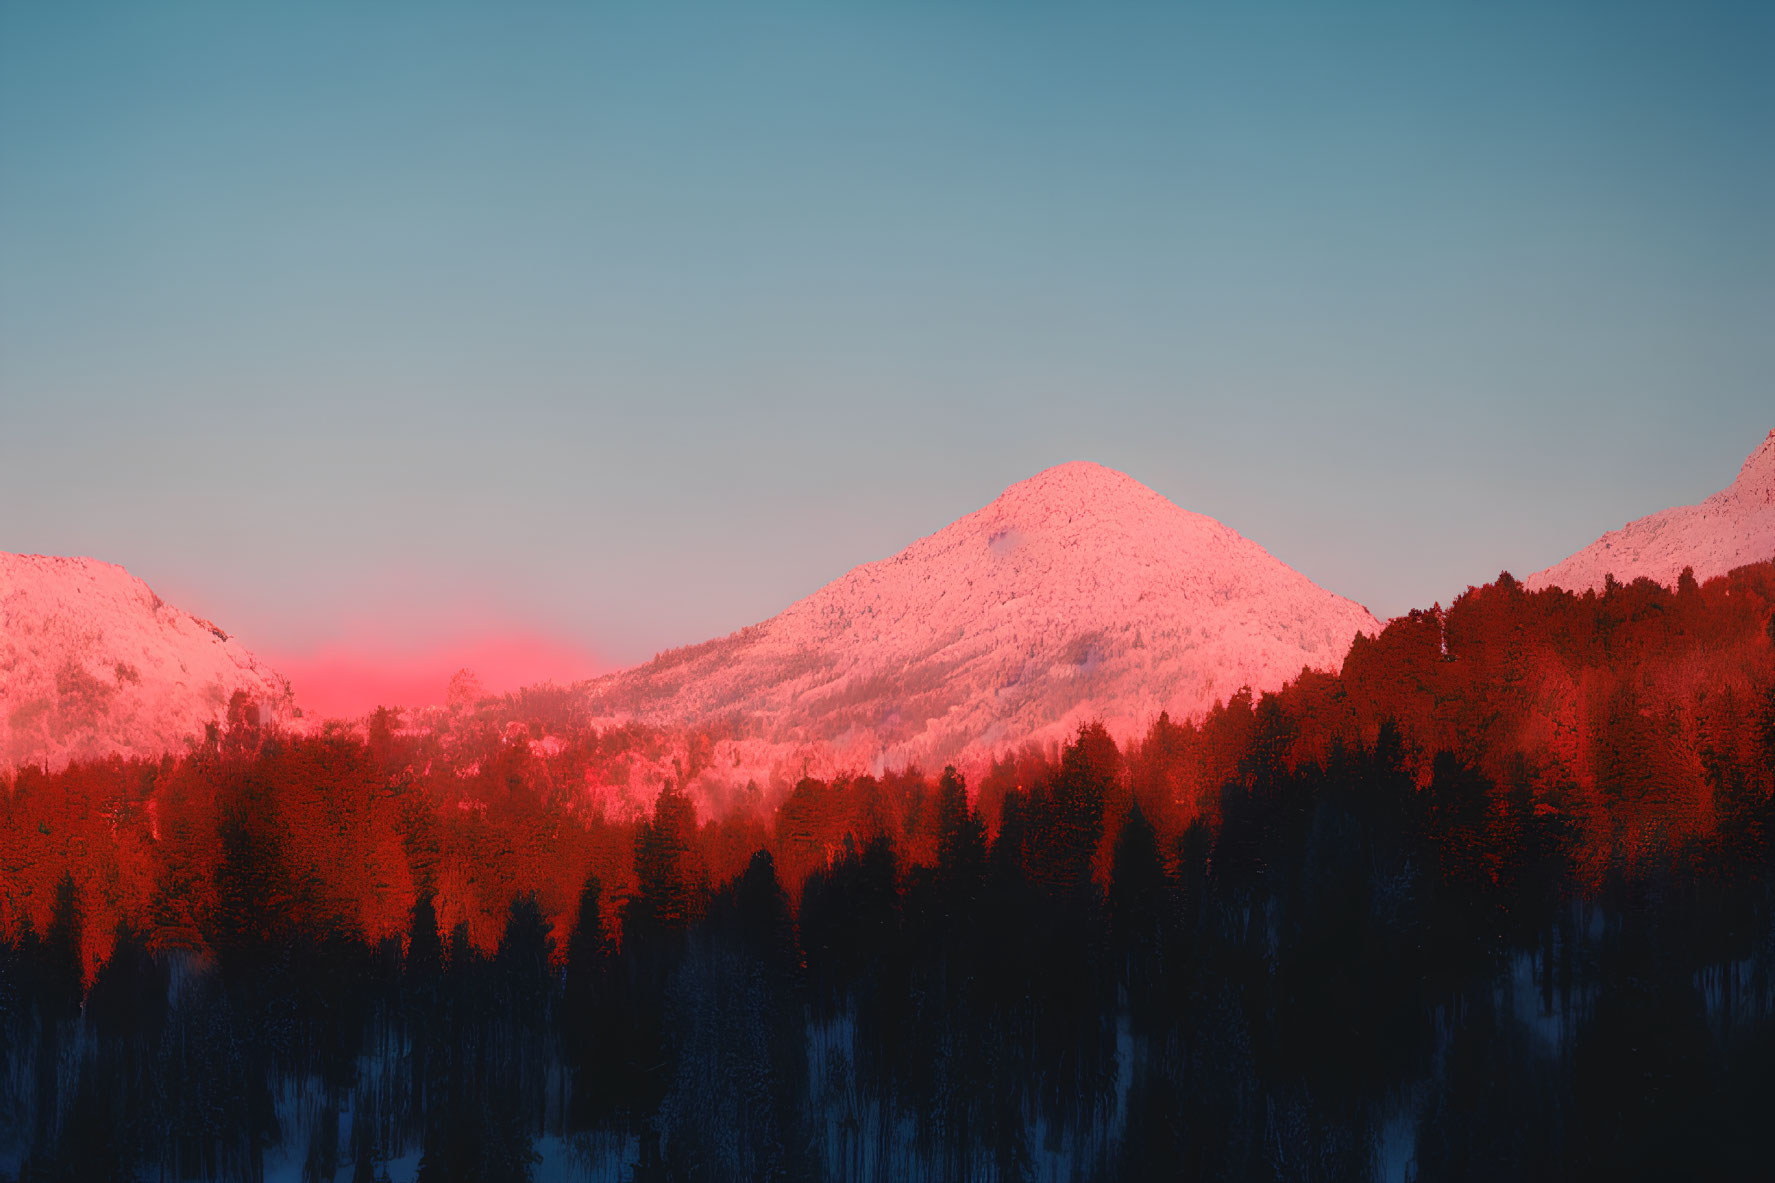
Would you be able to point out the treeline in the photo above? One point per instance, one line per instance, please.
(1493, 903)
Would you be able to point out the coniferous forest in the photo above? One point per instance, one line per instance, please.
(1495, 902)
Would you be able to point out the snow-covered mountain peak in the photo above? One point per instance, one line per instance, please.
(1078, 487)
(1077, 594)
(93, 663)
(1733, 527)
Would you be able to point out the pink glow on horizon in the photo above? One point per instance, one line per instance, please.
(346, 679)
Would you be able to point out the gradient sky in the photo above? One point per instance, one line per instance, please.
(615, 327)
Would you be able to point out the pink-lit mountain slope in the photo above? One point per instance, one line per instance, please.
(1734, 527)
(93, 663)
(1079, 594)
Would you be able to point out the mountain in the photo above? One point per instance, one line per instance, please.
(93, 663)
(1733, 527)
(1078, 594)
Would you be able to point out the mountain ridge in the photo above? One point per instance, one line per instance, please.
(1731, 528)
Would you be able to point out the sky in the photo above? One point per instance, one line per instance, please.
(546, 336)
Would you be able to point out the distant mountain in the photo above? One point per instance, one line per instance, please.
(1733, 527)
(1078, 594)
(92, 663)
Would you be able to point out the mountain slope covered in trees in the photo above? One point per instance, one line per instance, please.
(1495, 901)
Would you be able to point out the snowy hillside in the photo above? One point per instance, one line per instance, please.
(92, 662)
(1733, 527)
(1077, 594)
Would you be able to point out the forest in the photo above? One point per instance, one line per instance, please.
(1496, 901)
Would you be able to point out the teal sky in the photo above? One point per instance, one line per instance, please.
(629, 324)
